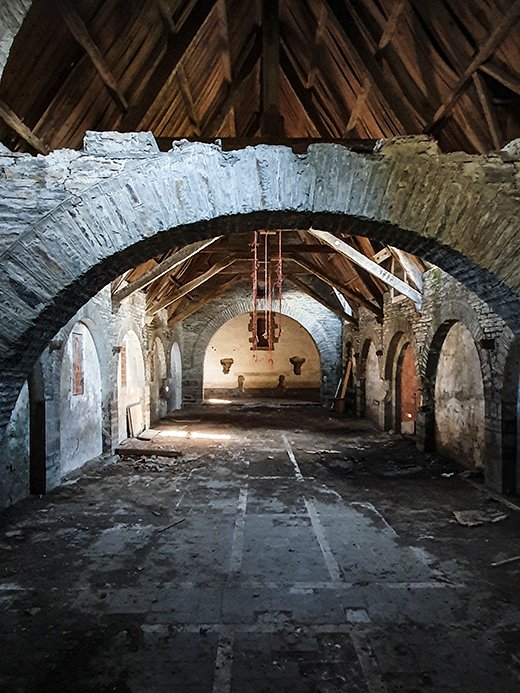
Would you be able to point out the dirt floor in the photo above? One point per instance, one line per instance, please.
(280, 548)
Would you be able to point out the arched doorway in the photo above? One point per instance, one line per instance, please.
(511, 422)
(80, 400)
(157, 381)
(131, 387)
(175, 394)
(407, 391)
(232, 368)
(459, 399)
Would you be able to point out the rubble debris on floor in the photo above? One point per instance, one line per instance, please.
(248, 564)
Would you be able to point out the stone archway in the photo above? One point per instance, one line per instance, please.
(322, 325)
(175, 398)
(76, 235)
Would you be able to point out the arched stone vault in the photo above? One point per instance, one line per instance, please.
(72, 221)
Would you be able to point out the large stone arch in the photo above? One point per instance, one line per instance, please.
(74, 233)
(317, 321)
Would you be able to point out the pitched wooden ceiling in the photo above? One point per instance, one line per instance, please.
(272, 69)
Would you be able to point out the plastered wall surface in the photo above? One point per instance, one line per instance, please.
(81, 415)
(459, 400)
(261, 369)
(132, 385)
(409, 392)
(158, 404)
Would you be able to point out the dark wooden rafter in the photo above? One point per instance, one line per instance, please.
(79, 30)
(386, 37)
(187, 308)
(224, 22)
(214, 121)
(337, 282)
(318, 45)
(272, 122)
(15, 123)
(372, 72)
(190, 285)
(163, 268)
(497, 35)
(488, 109)
(187, 98)
(306, 289)
(176, 47)
(302, 94)
(166, 16)
(506, 78)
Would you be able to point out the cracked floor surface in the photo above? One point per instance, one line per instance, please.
(285, 548)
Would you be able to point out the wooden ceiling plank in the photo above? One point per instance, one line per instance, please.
(302, 95)
(187, 97)
(497, 35)
(391, 25)
(500, 75)
(488, 110)
(306, 289)
(224, 20)
(167, 265)
(79, 30)
(15, 123)
(190, 286)
(272, 122)
(318, 45)
(176, 47)
(166, 15)
(368, 265)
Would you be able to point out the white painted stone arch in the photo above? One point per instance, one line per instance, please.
(324, 328)
(175, 394)
(131, 384)
(158, 373)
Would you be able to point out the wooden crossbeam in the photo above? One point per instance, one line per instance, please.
(166, 15)
(272, 123)
(15, 123)
(185, 310)
(488, 110)
(410, 266)
(306, 289)
(336, 283)
(391, 24)
(176, 47)
(167, 265)
(224, 21)
(373, 73)
(500, 75)
(190, 286)
(187, 97)
(317, 47)
(497, 35)
(79, 30)
(302, 94)
(369, 265)
(234, 88)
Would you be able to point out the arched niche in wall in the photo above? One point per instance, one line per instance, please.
(511, 421)
(157, 381)
(175, 394)
(80, 400)
(232, 368)
(459, 399)
(131, 385)
(373, 388)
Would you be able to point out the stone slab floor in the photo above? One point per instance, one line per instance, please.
(285, 549)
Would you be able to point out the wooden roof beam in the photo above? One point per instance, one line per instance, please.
(167, 265)
(306, 289)
(224, 20)
(372, 267)
(272, 122)
(488, 110)
(15, 123)
(500, 31)
(302, 95)
(79, 30)
(500, 75)
(176, 47)
(356, 298)
(190, 286)
(184, 310)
